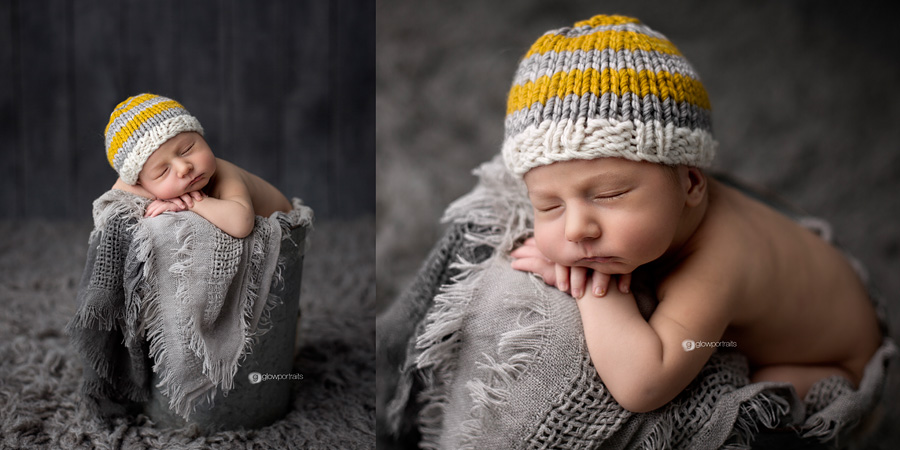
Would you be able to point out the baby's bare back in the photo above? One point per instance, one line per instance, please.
(801, 302)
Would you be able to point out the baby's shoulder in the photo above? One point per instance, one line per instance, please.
(228, 168)
(713, 266)
(265, 197)
(711, 269)
(229, 179)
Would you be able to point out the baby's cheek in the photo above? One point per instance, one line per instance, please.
(544, 239)
(166, 191)
(646, 239)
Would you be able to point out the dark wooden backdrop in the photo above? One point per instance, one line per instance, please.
(283, 88)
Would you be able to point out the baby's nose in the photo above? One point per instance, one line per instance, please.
(580, 226)
(184, 167)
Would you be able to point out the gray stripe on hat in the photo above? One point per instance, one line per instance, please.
(629, 107)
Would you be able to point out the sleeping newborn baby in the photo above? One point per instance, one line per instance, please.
(611, 149)
(158, 150)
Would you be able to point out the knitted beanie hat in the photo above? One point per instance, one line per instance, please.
(607, 87)
(140, 125)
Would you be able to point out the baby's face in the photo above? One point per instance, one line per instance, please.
(183, 164)
(608, 214)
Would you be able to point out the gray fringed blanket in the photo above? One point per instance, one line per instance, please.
(176, 290)
(477, 355)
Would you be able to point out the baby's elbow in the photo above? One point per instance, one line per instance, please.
(242, 228)
(638, 396)
(246, 229)
(638, 405)
(240, 234)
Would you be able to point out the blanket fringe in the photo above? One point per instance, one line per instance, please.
(104, 317)
(153, 319)
(659, 436)
(439, 343)
(258, 254)
(517, 350)
(766, 409)
(828, 423)
(502, 216)
(500, 203)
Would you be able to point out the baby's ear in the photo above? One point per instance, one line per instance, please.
(694, 181)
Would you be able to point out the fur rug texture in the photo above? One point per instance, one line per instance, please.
(40, 376)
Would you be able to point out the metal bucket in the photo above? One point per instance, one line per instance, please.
(253, 405)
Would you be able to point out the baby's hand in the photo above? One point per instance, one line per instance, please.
(573, 280)
(157, 207)
(181, 203)
(187, 200)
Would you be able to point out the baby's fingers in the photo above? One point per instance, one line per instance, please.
(600, 283)
(178, 203)
(153, 210)
(625, 283)
(577, 279)
(562, 278)
(538, 266)
(527, 251)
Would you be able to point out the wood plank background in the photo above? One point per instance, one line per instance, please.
(284, 89)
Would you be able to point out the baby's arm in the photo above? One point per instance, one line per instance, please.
(134, 189)
(645, 364)
(232, 212)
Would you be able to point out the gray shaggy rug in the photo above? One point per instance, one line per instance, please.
(40, 376)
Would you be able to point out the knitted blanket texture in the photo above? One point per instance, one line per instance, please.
(176, 291)
(488, 357)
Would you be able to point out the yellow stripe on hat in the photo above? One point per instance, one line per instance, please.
(662, 84)
(127, 105)
(135, 124)
(612, 39)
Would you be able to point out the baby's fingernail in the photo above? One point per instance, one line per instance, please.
(624, 289)
(577, 293)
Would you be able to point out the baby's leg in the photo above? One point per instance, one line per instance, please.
(800, 375)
